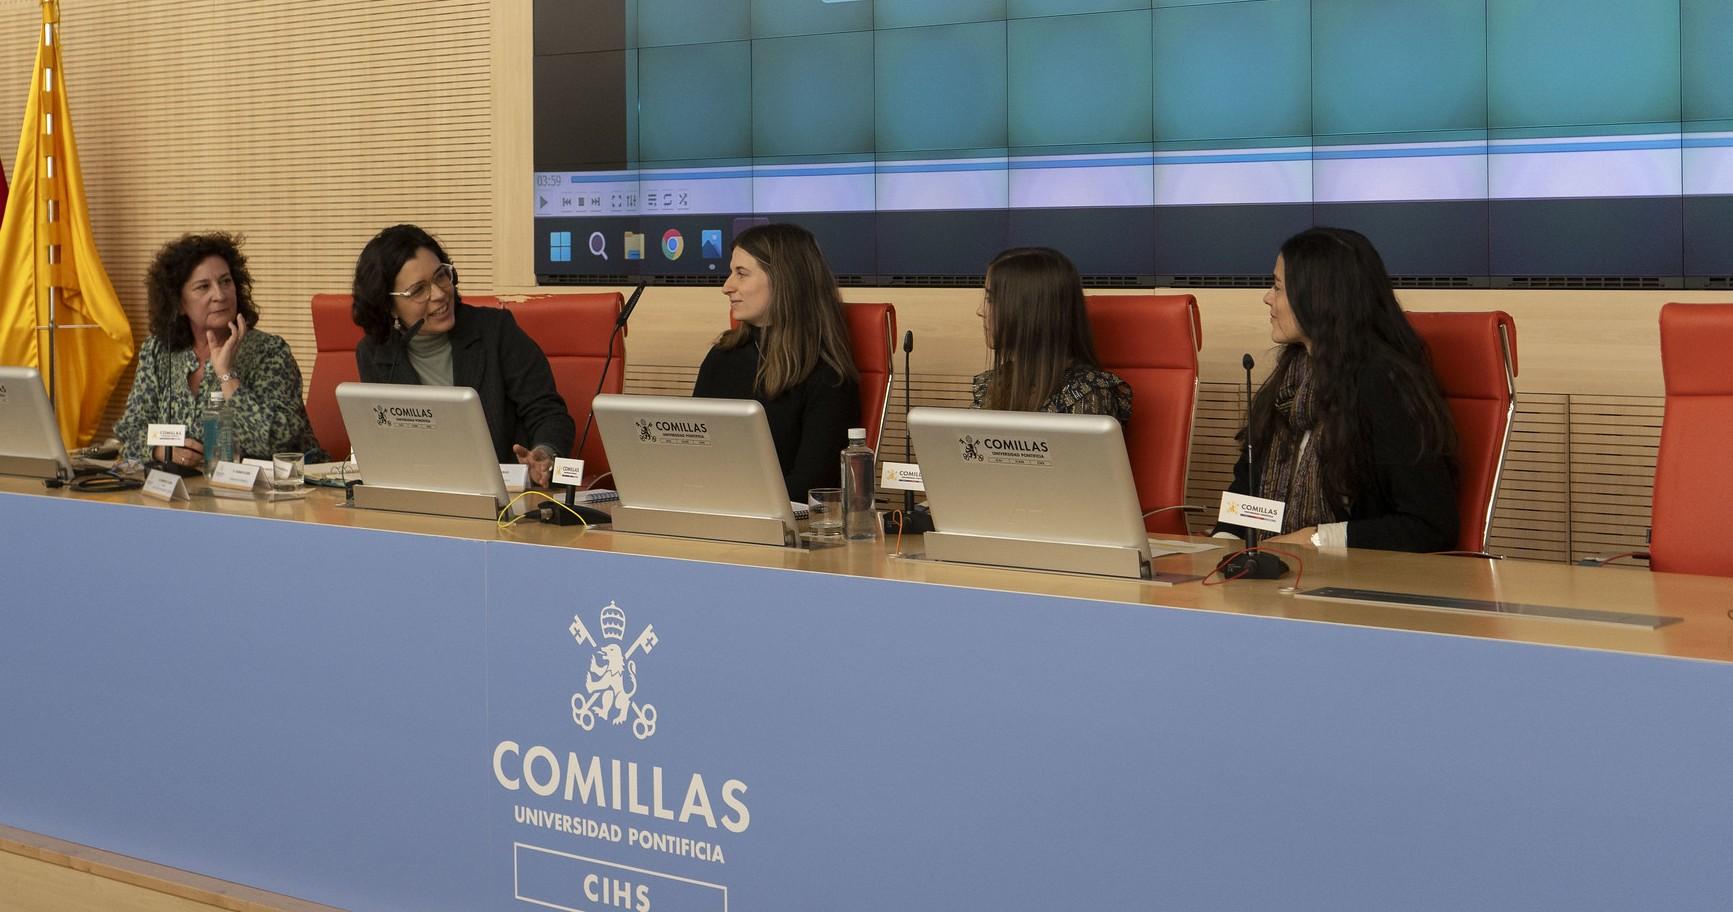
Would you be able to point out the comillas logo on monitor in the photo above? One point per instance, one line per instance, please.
(673, 244)
(1005, 450)
(397, 416)
(611, 683)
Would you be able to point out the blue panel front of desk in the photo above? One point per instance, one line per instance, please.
(287, 706)
(376, 729)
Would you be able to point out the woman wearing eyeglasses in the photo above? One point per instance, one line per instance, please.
(202, 340)
(419, 331)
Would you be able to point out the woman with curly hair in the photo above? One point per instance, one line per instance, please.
(1350, 430)
(202, 340)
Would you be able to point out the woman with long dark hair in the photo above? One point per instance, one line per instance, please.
(1350, 430)
(1033, 315)
(789, 351)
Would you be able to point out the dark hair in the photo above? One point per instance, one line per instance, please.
(806, 323)
(173, 267)
(1039, 327)
(1343, 301)
(376, 272)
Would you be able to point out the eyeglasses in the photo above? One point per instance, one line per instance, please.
(445, 278)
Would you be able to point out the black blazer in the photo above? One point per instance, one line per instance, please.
(809, 422)
(1412, 503)
(492, 356)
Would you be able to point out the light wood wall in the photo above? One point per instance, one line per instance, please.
(310, 125)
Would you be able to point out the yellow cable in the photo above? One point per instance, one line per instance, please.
(504, 525)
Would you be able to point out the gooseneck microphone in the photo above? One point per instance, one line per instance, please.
(608, 359)
(1253, 562)
(912, 520)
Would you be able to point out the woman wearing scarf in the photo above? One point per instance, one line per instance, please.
(1350, 430)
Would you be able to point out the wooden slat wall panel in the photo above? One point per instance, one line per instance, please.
(1613, 441)
(1531, 516)
(306, 126)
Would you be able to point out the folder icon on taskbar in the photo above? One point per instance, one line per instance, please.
(634, 245)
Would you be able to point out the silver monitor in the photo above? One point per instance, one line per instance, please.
(422, 449)
(30, 442)
(1030, 489)
(697, 468)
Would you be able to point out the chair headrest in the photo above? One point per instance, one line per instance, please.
(1696, 340)
(1124, 325)
(1466, 355)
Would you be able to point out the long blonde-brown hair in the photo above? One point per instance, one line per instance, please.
(1038, 326)
(805, 320)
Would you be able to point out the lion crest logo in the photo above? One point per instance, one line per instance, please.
(611, 682)
(645, 435)
(970, 451)
(382, 416)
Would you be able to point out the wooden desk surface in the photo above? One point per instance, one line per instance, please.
(1703, 604)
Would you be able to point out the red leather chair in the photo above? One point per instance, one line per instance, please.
(1693, 471)
(335, 336)
(1151, 342)
(1474, 358)
(872, 331)
(573, 330)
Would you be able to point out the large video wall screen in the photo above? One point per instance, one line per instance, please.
(1475, 140)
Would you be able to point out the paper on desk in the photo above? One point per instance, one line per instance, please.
(1163, 546)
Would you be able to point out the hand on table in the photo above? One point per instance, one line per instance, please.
(540, 460)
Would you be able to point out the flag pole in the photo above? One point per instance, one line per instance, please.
(50, 196)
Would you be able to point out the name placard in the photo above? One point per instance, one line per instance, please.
(1251, 512)
(166, 435)
(902, 476)
(568, 471)
(164, 486)
(235, 475)
(516, 476)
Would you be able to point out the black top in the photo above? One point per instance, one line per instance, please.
(492, 356)
(1412, 504)
(809, 422)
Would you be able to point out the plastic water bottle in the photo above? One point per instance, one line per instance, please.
(859, 510)
(214, 431)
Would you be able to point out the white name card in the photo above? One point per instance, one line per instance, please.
(164, 486)
(568, 471)
(516, 476)
(166, 435)
(901, 476)
(1251, 512)
(235, 475)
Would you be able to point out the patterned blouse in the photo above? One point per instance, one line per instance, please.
(1082, 391)
(267, 413)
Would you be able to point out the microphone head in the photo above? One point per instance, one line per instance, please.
(1246, 361)
(908, 341)
(632, 301)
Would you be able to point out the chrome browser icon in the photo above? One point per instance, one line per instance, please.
(673, 244)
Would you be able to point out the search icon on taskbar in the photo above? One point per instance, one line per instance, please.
(598, 245)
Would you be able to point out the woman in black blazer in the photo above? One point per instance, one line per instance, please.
(789, 351)
(419, 331)
(1350, 430)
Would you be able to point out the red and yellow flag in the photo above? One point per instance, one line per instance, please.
(49, 267)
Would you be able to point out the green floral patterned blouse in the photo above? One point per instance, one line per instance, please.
(266, 413)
